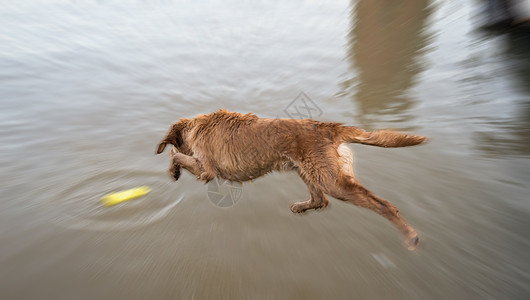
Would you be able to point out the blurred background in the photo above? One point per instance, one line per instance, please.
(88, 88)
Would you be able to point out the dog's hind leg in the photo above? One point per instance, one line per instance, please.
(348, 189)
(317, 200)
(340, 183)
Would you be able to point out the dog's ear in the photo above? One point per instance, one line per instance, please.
(174, 137)
(161, 147)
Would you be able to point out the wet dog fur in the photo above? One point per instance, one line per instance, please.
(239, 147)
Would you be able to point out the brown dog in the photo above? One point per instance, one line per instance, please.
(240, 147)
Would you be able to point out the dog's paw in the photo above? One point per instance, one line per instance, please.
(174, 173)
(298, 207)
(412, 242)
(207, 177)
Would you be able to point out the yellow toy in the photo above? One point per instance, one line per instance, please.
(119, 197)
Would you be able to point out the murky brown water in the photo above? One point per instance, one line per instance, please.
(88, 88)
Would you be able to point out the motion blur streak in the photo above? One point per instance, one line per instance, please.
(88, 88)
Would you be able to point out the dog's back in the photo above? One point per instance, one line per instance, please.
(243, 146)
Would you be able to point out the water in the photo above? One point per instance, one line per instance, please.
(88, 88)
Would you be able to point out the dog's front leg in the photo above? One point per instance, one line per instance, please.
(190, 163)
(174, 165)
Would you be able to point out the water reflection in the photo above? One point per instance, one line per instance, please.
(519, 52)
(384, 44)
(512, 136)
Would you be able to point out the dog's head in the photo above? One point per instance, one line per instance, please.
(175, 137)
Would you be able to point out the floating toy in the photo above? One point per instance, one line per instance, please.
(119, 197)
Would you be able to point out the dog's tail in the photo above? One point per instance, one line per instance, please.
(380, 138)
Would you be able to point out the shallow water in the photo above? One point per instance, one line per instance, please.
(87, 89)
